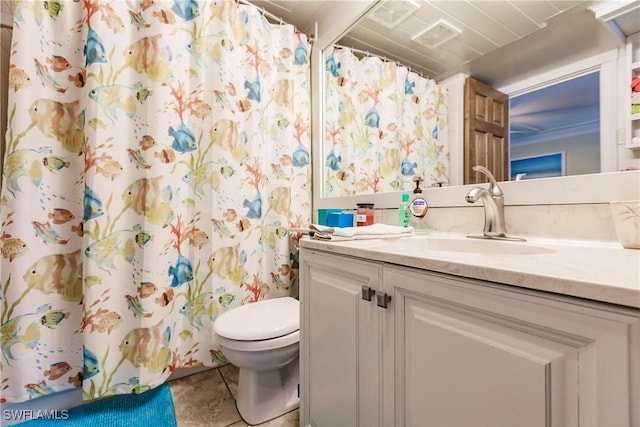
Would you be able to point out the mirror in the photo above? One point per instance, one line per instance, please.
(544, 43)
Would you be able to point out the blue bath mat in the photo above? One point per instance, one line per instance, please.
(151, 408)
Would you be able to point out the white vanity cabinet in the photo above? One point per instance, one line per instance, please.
(340, 340)
(459, 352)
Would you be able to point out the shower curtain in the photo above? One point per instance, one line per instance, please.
(384, 126)
(157, 157)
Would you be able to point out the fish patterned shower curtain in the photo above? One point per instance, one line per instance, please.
(157, 157)
(384, 126)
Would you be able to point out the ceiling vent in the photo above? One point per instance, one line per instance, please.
(437, 34)
(391, 12)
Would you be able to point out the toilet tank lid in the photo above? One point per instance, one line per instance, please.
(260, 320)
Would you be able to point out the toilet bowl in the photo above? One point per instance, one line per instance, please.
(262, 340)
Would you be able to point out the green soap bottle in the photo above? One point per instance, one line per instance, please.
(404, 214)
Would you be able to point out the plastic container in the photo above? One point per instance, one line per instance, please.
(340, 219)
(404, 214)
(364, 214)
(323, 215)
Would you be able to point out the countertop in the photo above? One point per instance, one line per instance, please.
(603, 272)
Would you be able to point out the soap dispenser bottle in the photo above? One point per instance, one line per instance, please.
(418, 206)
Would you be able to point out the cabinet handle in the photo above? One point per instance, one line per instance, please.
(367, 293)
(383, 299)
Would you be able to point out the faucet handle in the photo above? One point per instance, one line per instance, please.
(494, 188)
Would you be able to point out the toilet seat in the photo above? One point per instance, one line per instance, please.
(260, 345)
(263, 320)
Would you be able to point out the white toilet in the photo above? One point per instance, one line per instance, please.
(262, 340)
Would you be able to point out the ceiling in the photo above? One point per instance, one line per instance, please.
(483, 26)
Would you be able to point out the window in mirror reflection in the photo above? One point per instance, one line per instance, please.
(564, 117)
(543, 166)
(384, 125)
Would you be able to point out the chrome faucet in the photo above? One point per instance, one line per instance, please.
(493, 202)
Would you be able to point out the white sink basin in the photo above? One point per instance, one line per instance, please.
(418, 244)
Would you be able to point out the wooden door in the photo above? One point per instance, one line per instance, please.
(486, 131)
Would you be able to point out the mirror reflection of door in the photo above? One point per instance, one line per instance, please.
(486, 131)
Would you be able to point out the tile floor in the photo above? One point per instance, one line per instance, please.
(208, 399)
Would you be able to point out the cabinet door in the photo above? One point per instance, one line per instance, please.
(471, 353)
(340, 341)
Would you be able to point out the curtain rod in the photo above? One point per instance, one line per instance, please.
(274, 17)
(369, 54)
(6, 20)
